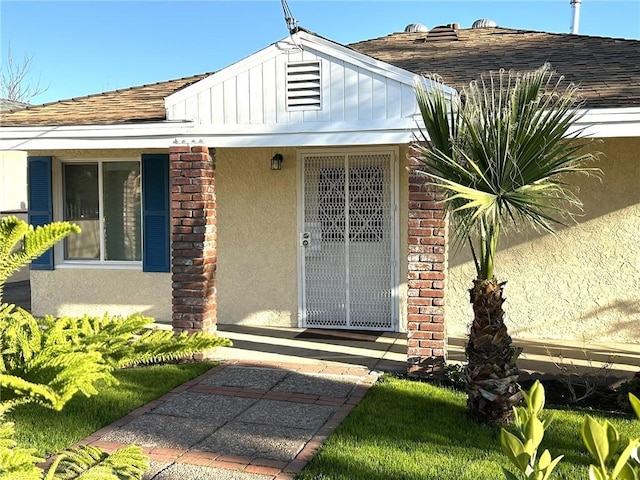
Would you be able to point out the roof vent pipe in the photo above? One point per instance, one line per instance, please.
(575, 4)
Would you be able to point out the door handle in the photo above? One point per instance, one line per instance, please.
(304, 239)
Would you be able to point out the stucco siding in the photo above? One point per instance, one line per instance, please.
(257, 272)
(257, 279)
(76, 291)
(581, 285)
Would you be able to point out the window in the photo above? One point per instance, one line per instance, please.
(104, 199)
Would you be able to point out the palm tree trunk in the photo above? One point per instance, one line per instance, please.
(491, 372)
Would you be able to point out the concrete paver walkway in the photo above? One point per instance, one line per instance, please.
(241, 420)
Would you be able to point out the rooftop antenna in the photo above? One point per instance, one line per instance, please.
(292, 23)
(575, 4)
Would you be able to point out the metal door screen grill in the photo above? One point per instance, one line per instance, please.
(348, 254)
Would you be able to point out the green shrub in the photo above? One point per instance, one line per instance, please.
(630, 386)
(600, 438)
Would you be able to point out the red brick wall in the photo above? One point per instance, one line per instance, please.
(193, 238)
(426, 335)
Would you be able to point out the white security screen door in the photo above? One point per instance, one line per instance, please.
(347, 241)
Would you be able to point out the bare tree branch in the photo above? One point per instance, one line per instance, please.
(15, 83)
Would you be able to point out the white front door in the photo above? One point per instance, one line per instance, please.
(348, 253)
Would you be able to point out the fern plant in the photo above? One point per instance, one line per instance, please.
(16, 463)
(85, 462)
(48, 360)
(91, 463)
(20, 243)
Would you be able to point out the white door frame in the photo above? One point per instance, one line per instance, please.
(395, 227)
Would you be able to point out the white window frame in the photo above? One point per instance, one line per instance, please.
(58, 215)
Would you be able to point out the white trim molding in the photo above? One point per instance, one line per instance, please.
(610, 122)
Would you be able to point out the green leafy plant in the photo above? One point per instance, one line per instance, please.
(20, 243)
(522, 450)
(602, 441)
(454, 373)
(48, 360)
(600, 438)
(635, 404)
(86, 462)
(625, 388)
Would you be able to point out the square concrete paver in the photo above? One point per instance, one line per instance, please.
(164, 431)
(205, 406)
(289, 414)
(183, 471)
(339, 386)
(246, 377)
(274, 442)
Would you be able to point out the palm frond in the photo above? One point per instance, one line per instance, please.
(501, 153)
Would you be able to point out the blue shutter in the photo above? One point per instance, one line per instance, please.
(156, 253)
(40, 203)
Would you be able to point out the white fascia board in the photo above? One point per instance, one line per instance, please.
(149, 135)
(597, 123)
(304, 128)
(609, 122)
(163, 135)
(308, 139)
(320, 134)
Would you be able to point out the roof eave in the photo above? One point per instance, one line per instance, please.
(139, 135)
(609, 122)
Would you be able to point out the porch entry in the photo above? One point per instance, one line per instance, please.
(347, 240)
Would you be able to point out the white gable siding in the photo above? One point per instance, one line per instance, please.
(257, 95)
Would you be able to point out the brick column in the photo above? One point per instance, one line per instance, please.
(193, 238)
(426, 335)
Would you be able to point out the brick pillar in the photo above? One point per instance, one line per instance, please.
(193, 238)
(426, 335)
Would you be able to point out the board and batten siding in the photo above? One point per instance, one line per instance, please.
(257, 95)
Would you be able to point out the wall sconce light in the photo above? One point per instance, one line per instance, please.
(276, 162)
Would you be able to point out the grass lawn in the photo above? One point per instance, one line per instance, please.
(49, 431)
(409, 430)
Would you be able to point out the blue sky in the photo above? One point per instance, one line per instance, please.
(87, 47)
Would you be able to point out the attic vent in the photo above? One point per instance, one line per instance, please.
(484, 23)
(443, 32)
(303, 86)
(415, 28)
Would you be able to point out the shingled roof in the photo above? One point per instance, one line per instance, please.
(6, 104)
(607, 70)
(135, 104)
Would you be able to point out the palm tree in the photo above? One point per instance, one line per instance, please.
(501, 152)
